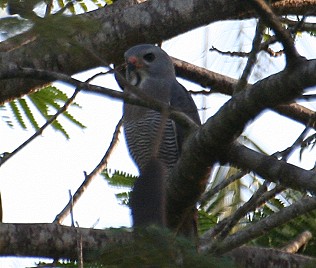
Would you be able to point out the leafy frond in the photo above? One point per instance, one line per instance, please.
(120, 179)
(43, 102)
(206, 221)
(17, 113)
(155, 247)
(29, 115)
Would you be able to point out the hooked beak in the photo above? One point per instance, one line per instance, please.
(130, 67)
(131, 71)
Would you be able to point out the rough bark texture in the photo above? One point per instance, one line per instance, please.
(109, 32)
(56, 241)
(248, 257)
(212, 141)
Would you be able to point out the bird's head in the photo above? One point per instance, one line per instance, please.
(145, 61)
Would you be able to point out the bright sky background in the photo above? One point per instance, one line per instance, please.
(34, 184)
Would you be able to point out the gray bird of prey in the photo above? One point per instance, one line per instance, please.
(151, 70)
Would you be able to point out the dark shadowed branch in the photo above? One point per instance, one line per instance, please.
(98, 33)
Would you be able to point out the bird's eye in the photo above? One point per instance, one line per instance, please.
(149, 57)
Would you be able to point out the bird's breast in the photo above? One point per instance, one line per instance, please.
(143, 133)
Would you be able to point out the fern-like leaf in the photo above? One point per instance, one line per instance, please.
(29, 115)
(17, 113)
(119, 178)
(44, 101)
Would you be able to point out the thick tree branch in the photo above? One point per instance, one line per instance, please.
(212, 141)
(272, 169)
(56, 241)
(268, 257)
(106, 33)
(225, 85)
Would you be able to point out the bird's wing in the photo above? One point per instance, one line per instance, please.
(182, 101)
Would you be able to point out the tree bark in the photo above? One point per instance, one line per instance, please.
(58, 242)
(106, 33)
(214, 140)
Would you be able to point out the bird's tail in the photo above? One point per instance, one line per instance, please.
(148, 196)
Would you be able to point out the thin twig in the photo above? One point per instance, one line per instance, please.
(206, 196)
(260, 196)
(250, 205)
(149, 102)
(285, 154)
(269, 195)
(307, 97)
(283, 35)
(49, 7)
(88, 178)
(71, 200)
(230, 53)
(243, 81)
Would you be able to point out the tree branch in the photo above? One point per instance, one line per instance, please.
(98, 41)
(56, 241)
(301, 240)
(272, 169)
(257, 229)
(246, 256)
(283, 35)
(212, 141)
(225, 85)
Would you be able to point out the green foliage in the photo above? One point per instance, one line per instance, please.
(280, 236)
(206, 221)
(120, 179)
(150, 247)
(228, 200)
(160, 248)
(42, 102)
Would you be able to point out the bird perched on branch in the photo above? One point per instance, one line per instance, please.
(154, 140)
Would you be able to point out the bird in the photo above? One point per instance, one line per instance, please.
(150, 69)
